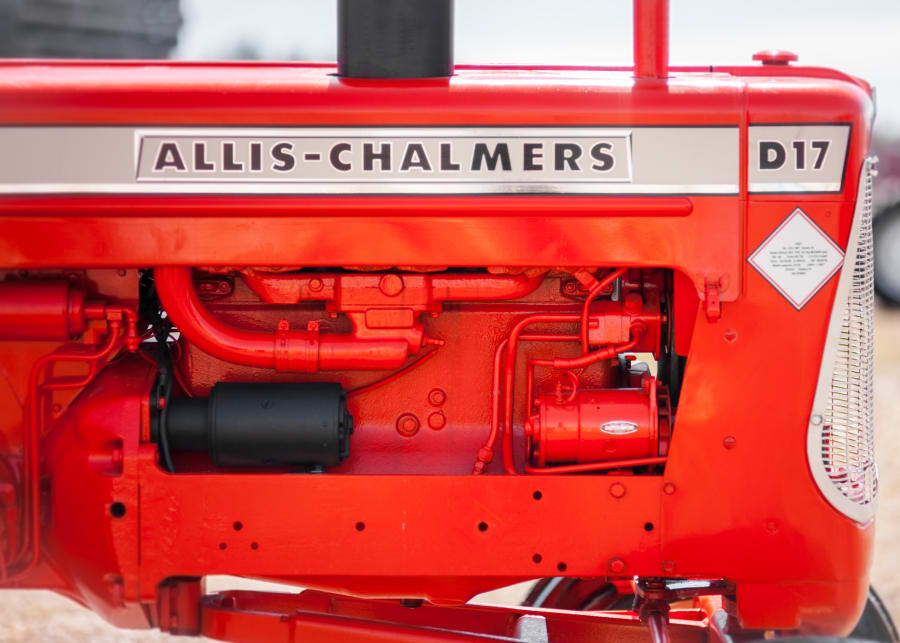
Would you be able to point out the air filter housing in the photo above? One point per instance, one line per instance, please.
(395, 38)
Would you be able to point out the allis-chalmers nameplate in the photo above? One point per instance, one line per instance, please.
(421, 160)
(792, 158)
(370, 160)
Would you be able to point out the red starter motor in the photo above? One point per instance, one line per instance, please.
(595, 425)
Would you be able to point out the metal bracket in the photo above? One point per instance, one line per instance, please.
(259, 616)
(712, 303)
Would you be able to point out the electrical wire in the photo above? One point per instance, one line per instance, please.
(586, 309)
(424, 357)
(162, 327)
(164, 391)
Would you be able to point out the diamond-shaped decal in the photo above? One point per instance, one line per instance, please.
(798, 258)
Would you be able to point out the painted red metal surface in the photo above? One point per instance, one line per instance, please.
(651, 39)
(384, 310)
(508, 301)
(44, 311)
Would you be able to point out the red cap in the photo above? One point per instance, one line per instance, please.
(775, 56)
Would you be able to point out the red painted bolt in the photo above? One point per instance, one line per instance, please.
(121, 272)
(772, 527)
(407, 425)
(617, 490)
(116, 589)
(668, 566)
(730, 335)
(729, 442)
(436, 397)
(437, 420)
(315, 284)
(669, 488)
(616, 565)
(633, 303)
(391, 284)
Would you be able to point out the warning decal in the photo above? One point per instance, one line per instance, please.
(798, 258)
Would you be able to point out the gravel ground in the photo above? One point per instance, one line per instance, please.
(886, 570)
(43, 616)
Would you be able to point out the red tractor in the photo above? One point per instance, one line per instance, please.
(402, 332)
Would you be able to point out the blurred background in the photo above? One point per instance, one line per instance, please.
(861, 38)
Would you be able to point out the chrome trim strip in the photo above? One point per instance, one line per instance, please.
(757, 188)
(436, 189)
(105, 160)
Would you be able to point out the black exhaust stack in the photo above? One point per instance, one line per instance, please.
(395, 38)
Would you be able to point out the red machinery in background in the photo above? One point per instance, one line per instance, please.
(406, 333)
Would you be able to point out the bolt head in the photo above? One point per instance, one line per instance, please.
(407, 425)
(391, 284)
(315, 284)
(437, 420)
(617, 490)
(729, 442)
(436, 397)
(633, 303)
(669, 488)
(616, 565)
(816, 419)
(668, 566)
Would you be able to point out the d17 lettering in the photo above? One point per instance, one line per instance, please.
(773, 154)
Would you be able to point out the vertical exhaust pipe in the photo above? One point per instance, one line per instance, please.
(651, 38)
(395, 38)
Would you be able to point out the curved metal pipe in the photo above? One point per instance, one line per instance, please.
(462, 287)
(651, 39)
(284, 349)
